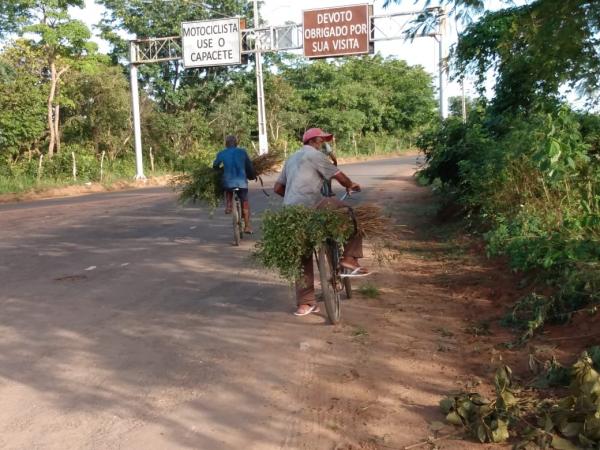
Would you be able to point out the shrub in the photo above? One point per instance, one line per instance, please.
(533, 182)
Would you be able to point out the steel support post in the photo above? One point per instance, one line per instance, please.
(442, 62)
(135, 109)
(263, 142)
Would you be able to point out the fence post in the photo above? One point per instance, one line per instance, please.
(39, 174)
(74, 167)
(151, 160)
(102, 165)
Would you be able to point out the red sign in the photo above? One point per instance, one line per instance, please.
(339, 31)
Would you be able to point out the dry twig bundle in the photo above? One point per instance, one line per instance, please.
(267, 163)
(372, 223)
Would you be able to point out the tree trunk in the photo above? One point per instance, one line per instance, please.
(51, 95)
(53, 110)
(56, 127)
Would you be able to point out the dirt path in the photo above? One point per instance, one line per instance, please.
(407, 339)
(128, 322)
(423, 327)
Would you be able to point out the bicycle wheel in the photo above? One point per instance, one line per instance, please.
(327, 273)
(236, 217)
(240, 218)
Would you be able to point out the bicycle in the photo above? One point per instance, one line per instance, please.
(331, 274)
(236, 214)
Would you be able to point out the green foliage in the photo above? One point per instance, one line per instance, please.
(553, 375)
(533, 183)
(535, 49)
(294, 232)
(369, 290)
(548, 422)
(16, 14)
(455, 106)
(234, 115)
(173, 87)
(97, 107)
(362, 98)
(485, 420)
(57, 33)
(22, 100)
(203, 184)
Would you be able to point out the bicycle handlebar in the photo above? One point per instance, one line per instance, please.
(347, 194)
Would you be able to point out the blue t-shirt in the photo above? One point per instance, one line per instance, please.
(237, 167)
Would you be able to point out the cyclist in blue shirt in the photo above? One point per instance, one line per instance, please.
(237, 170)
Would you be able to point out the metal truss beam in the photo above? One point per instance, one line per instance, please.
(384, 27)
(154, 50)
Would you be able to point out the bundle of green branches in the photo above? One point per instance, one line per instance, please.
(267, 163)
(295, 231)
(202, 184)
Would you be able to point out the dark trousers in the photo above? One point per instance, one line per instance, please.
(305, 287)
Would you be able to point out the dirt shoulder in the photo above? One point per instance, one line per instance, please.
(421, 329)
(121, 185)
(425, 326)
(84, 189)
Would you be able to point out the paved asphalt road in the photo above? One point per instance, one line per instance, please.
(128, 321)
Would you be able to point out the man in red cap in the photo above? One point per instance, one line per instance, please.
(300, 183)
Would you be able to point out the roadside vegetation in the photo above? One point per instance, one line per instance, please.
(523, 170)
(65, 108)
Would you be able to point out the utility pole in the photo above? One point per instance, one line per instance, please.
(135, 108)
(442, 62)
(263, 142)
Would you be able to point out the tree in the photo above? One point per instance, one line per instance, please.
(22, 93)
(97, 105)
(173, 87)
(284, 108)
(360, 95)
(455, 105)
(61, 38)
(234, 114)
(536, 49)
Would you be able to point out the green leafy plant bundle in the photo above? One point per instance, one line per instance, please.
(202, 184)
(293, 232)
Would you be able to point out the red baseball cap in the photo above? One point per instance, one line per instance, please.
(316, 132)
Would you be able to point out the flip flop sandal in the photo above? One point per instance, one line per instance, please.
(356, 273)
(312, 309)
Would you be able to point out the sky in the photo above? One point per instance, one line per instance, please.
(421, 51)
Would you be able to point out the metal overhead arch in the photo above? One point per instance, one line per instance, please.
(269, 39)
